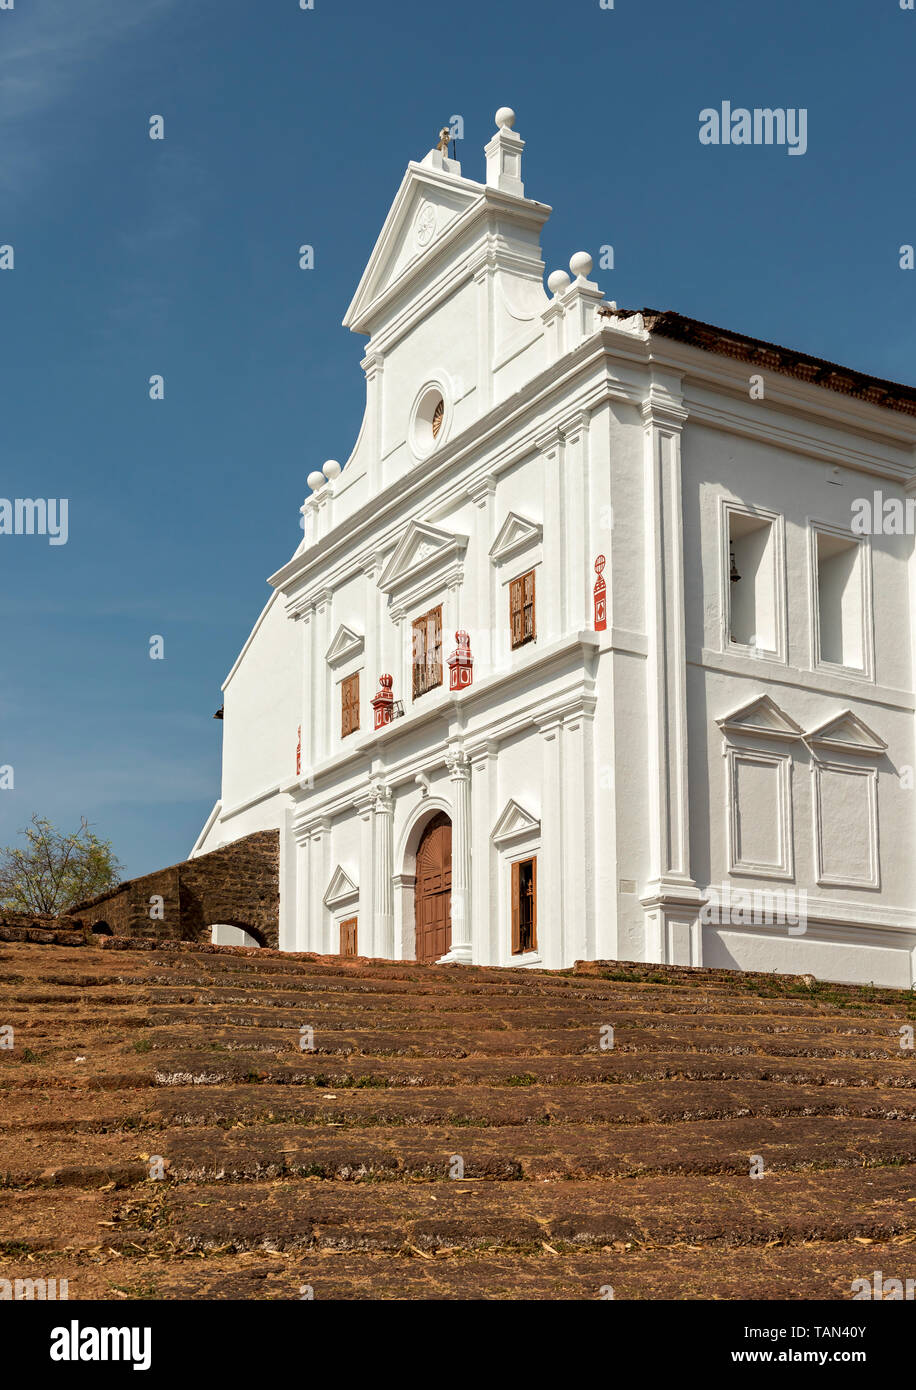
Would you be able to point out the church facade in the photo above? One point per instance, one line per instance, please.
(587, 651)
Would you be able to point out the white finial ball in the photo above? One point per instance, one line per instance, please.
(505, 117)
(581, 264)
(315, 480)
(331, 469)
(557, 281)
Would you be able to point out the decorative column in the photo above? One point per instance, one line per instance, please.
(303, 902)
(383, 888)
(577, 521)
(483, 598)
(321, 712)
(319, 871)
(553, 930)
(460, 773)
(485, 888)
(552, 603)
(671, 888)
(576, 771)
(310, 752)
(373, 365)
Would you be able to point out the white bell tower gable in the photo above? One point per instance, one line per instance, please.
(452, 301)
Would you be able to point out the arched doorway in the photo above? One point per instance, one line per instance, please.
(433, 891)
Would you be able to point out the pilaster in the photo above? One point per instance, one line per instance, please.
(461, 950)
(383, 889)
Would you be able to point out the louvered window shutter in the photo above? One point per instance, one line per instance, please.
(516, 911)
(515, 612)
(419, 656)
(528, 625)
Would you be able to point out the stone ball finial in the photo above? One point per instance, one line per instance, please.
(331, 469)
(315, 480)
(505, 118)
(581, 264)
(557, 281)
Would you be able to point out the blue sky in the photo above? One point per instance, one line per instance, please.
(179, 257)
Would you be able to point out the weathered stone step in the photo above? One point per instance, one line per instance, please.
(651, 1102)
(722, 1211)
(402, 1015)
(159, 1006)
(420, 983)
(564, 1151)
(781, 1272)
(124, 1069)
(470, 1039)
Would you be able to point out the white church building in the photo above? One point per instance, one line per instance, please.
(600, 643)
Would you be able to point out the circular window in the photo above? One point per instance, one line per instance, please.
(429, 420)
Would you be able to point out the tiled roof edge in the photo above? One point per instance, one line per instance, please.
(892, 395)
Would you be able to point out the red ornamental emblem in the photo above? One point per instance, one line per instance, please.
(600, 594)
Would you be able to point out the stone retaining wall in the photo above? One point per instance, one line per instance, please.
(238, 885)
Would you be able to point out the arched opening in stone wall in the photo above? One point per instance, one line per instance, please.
(235, 934)
(101, 929)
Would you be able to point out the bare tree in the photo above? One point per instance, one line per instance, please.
(54, 870)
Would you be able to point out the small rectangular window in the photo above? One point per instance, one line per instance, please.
(524, 906)
(521, 609)
(349, 705)
(348, 937)
(752, 595)
(427, 651)
(840, 589)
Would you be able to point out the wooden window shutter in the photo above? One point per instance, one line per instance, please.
(515, 612)
(528, 624)
(534, 904)
(521, 609)
(419, 655)
(349, 705)
(516, 910)
(427, 651)
(434, 648)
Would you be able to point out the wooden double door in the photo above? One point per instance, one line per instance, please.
(433, 891)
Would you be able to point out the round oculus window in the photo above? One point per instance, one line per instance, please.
(429, 421)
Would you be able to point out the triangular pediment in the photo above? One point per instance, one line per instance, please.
(428, 207)
(514, 824)
(421, 550)
(515, 535)
(341, 889)
(346, 643)
(762, 718)
(846, 733)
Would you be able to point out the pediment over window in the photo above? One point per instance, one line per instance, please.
(346, 643)
(516, 534)
(762, 718)
(515, 823)
(846, 733)
(341, 890)
(424, 553)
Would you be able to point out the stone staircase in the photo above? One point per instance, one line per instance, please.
(455, 1132)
